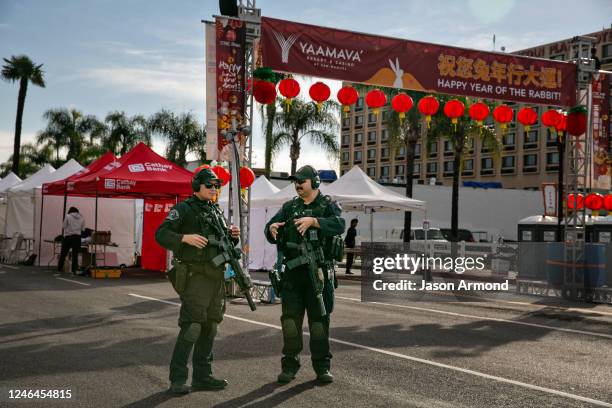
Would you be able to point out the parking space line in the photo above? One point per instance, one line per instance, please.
(418, 360)
(495, 319)
(9, 266)
(73, 281)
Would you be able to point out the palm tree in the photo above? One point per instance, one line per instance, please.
(268, 113)
(465, 133)
(305, 121)
(125, 132)
(32, 158)
(23, 69)
(71, 129)
(402, 133)
(183, 134)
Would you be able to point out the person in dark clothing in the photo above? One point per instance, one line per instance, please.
(73, 225)
(349, 242)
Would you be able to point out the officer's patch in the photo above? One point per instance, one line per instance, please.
(172, 215)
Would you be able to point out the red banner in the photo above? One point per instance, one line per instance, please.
(230, 48)
(355, 57)
(153, 256)
(602, 165)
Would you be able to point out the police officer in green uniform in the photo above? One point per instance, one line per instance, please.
(199, 283)
(309, 211)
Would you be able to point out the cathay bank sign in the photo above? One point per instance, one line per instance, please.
(149, 166)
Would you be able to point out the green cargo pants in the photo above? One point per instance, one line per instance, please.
(202, 309)
(297, 298)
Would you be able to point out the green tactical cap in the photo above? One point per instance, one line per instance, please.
(206, 175)
(305, 173)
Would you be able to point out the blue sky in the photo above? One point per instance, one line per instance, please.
(143, 55)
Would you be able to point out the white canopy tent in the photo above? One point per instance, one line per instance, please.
(7, 182)
(354, 191)
(261, 252)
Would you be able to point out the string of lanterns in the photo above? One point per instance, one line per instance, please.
(574, 122)
(592, 201)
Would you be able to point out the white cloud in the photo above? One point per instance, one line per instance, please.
(6, 142)
(182, 81)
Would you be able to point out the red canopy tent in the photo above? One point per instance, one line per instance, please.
(140, 173)
(60, 187)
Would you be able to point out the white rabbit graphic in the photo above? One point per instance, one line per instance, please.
(399, 73)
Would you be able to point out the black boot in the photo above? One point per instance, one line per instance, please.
(209, 383)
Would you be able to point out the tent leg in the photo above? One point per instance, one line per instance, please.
(95, 255)
(371, 225)
(42, 207)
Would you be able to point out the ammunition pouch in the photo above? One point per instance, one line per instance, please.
(177, 276)
(337, 248)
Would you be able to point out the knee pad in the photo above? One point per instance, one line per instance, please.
(289, 328)
(193, 332)
(317, 331)
(211, 329)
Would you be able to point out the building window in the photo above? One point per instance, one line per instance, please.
(432, 150)
(345, 157)
(552, 161)
(372, 171)
(346, 123)
(432, 169)
(507, 165)
(371, 118)
(551, 138)
(469, 146)
(530, 163)
(509, 141)
(358, 138)
(531, 139)
(385, 135)
(359, 104)
(357, 156)
(384, 173)
(359, 120)
(468, 168)
(384, 153)
(448, 148)
(372, 136)
(399, 170)
(401, 152)
(486, 166)
(371, 153)
(417, 151)
(416, 170)
(448, 168)
(346, 140)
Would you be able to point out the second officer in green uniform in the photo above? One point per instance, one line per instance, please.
(200, 284)
(314, 217)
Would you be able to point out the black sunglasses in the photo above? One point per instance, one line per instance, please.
(211, 185)
(296, 181)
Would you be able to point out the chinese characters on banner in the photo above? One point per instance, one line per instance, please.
(230, 70)
(602, 165)
(349, 56)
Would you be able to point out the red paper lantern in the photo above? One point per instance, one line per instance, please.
(376, 99)
(428, 106)
(577, 120)
(561, 125)
(223, 174)
(319, 92)
(479, 112)
(264, 92)
(503, 115)
(247, 177)
(289, 88)
(527, 117)
(594, 201)
(551, 118)
(347, 96)
(402, 103)
(575, 201)
(454, 109)
(608, 202)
